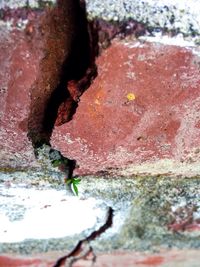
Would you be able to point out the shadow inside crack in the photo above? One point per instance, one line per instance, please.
(83, 247)
(66, 71)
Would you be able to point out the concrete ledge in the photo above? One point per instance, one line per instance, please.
(150, 213)
(179, 16)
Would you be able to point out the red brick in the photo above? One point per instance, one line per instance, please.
(111, 131)
(31, 59)
(172, 257)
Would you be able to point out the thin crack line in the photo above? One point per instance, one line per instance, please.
(79, 252)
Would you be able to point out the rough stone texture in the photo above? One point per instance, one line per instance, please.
(150, 213)
(19, 66)
(128, 116)
(141, 112)
(141, 115)
(34, 46)
(178, 16)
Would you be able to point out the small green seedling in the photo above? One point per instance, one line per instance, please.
(56, 163)
(74, 182)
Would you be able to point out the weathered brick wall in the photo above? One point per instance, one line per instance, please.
(158, 123)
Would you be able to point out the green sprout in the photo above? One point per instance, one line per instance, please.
(56, 163)
(59, 162)
(74, 182)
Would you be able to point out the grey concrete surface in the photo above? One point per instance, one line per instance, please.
(179, 16)
(38, 214)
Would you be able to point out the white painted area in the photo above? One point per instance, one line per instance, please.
(45, 214)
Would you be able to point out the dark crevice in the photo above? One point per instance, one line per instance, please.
(59, 96)
(69, 47)
(83, 248)
(103, 32)
(67, 69)
(74, 68)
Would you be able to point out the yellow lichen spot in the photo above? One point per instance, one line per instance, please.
(130, 96)
(97, 102)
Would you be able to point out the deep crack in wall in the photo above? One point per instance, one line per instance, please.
(66, 55)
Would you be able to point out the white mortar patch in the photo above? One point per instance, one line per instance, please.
(41, 214)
